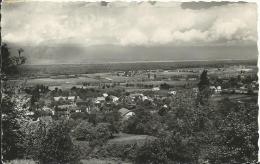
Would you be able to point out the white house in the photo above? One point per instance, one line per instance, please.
(114, 98)
(105, 94)
(99, 100)
(144, 98)
(128, 115)
(29, 113)
(172, 92)
(71, 98)
(56, 98)
(125, 113)
(218, 89)
(155, 89)
(59, 98)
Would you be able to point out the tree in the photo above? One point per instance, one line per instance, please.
(10, 63)
(84, 131)
(236, 136)
(204, 81)
(57, 146)
(204, 91)
(169, 148)
(12, 135)
(95, 135)
(165, 86)
(143, 122)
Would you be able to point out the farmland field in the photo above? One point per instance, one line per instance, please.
(110, 67)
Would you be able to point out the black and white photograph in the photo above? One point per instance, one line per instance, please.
(129, 82)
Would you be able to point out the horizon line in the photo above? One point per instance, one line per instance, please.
(145, 61)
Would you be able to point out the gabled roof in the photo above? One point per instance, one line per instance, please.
(123, 111)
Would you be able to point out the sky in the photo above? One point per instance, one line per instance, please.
(99, 32)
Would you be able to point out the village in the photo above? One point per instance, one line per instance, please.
(149, 86)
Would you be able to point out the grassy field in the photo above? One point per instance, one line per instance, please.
(237, 97)
(124, 138)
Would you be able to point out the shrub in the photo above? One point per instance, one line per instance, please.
(236, 139)
(103, 131)
(94, 134)
(143, 122)
(57, 146)
(79, 115)
(84, 131)
(172, 148)
(12, 135)
(122, 151)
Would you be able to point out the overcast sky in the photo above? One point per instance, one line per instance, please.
(81, 32)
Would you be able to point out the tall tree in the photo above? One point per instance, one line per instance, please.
(12, 136)
(204, 81)
(204, 90)
(10, 63)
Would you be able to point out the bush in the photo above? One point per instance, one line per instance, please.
(103, 131)
(79, 116)
(122, 151)
(12, 137)
(143, 122)
(237, 137)
(94, 134)
(57, 146)
(151, 153)
(84, 131)
(172, 148)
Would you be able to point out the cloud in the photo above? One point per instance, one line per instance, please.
(125, 24)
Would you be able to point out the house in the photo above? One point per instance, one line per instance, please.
(125, 113)
(218, 89)
(105, 94)
(172, 92)
(71, 98)
(56, 98)
(47, 109)
(71, 107)
(192, 79)
(240, 91)
(228, 91)
(114, 98)
(59, 98)
(29, 113)
(98, 100)
(155, 89)
(136, 95)
(212, 88)
(144, 98)
(78, 110)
